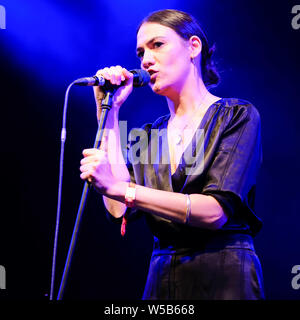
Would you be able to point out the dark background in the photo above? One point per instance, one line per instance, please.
(45, 46)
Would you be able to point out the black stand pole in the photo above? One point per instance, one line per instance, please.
(106, 106)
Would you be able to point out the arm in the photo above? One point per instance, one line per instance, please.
(205, 210)
(112, 146)
(111, 138)
(111, 180)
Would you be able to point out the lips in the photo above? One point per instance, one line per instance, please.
(153, 75)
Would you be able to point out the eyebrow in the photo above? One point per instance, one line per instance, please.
(139, 49)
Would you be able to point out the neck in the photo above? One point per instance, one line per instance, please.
(185, 100)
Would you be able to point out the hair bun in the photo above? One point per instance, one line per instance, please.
(211, 51)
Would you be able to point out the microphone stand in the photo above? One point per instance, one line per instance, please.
(105, 107)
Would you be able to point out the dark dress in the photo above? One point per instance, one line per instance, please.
(221, 161)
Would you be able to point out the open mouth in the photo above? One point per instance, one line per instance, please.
(153, 75)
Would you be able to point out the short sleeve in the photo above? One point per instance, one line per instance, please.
(231, 178)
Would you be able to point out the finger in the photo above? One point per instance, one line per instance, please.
(88, 167)
(105, 73)
(88, 152)
(128, 76)
(86, 176)
(92, 151)
(120, 77)
(90, 159)
(114, 79)
(116, 75)
(96, 156)
(121, 71)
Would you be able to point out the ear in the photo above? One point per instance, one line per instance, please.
(195, 46)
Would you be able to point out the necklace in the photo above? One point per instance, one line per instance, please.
(178, 134)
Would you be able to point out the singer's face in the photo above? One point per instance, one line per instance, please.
(165, 55)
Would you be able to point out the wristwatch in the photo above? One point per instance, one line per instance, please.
(130, 195)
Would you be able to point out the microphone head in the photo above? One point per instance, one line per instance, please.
(141, 77)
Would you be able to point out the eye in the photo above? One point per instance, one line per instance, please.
(140, 54)
(157, 44)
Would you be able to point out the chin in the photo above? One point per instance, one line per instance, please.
(156, 89)
(159, 89)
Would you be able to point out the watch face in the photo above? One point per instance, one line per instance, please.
(130, 193)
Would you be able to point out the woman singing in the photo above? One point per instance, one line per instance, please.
(199, 203)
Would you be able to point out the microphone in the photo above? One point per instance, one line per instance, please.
(140, 78)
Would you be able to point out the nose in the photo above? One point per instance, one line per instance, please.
(148, 60)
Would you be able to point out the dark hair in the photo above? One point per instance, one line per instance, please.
(187, 26)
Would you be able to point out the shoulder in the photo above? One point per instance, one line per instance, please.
(238, 106)
(235, 110)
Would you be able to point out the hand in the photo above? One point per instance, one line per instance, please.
(96, 169)
(115, 75)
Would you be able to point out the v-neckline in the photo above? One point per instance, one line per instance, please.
(200, 126)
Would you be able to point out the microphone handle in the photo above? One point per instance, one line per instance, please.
(90, 81)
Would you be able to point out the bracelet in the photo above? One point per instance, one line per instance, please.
(188, 209)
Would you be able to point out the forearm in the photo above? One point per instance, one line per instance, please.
(205, 210)
(115, 208)
(112, 145)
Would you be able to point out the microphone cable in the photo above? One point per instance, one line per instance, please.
(61, 164)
